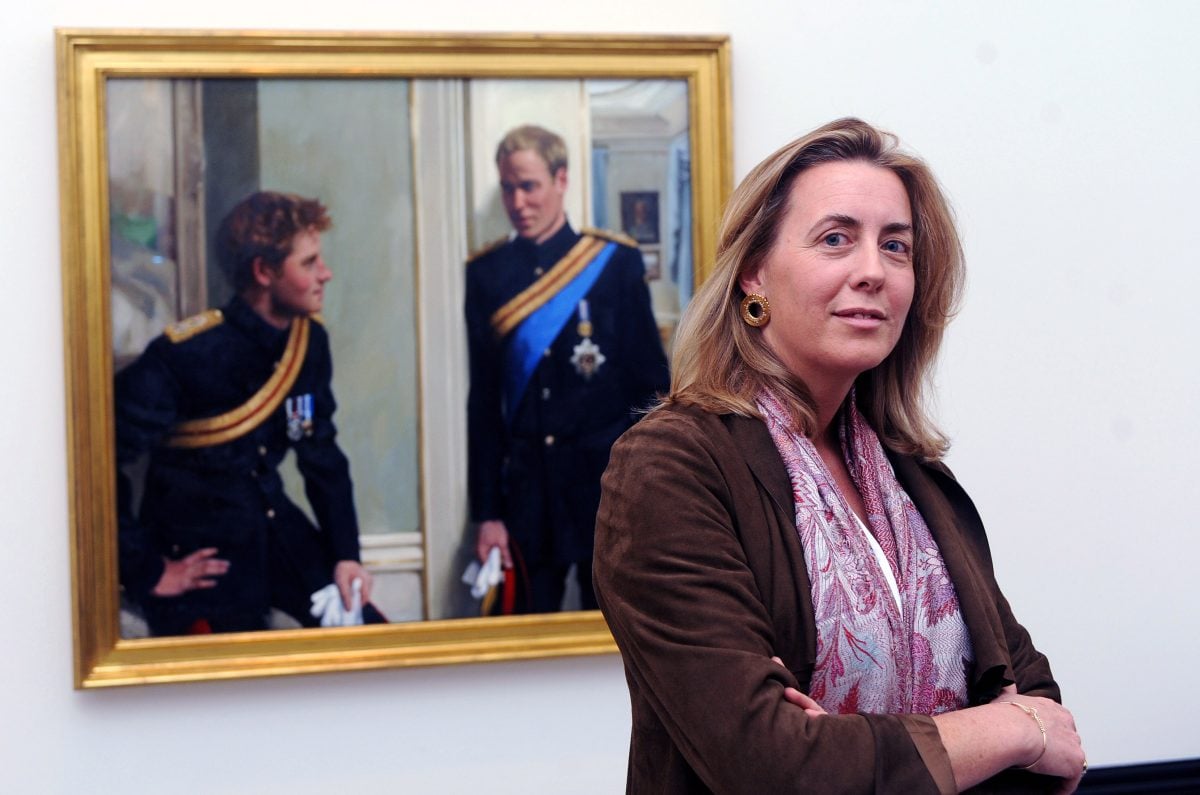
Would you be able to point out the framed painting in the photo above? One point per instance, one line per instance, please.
(639, 215)
(164, 135)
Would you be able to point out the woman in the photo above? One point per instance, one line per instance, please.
(802, 594)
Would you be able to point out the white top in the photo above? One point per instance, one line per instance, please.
(884, 566)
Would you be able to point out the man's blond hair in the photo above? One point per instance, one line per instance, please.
(549, 146)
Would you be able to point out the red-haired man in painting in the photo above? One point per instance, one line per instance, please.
(216, 403)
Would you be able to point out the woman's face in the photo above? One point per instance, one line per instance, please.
(839, 276)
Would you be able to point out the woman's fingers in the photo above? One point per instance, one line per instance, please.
(794, 696)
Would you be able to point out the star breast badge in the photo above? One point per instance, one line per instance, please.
(587, 358)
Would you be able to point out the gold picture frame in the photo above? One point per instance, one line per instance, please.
(86, 59)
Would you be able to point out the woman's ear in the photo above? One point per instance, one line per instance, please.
(751, 280)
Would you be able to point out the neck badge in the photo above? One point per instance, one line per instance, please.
(587, 357)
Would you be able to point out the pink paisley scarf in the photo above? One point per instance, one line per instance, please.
(873, 655)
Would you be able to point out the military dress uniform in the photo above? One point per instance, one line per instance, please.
(229, 495)
(536, 465)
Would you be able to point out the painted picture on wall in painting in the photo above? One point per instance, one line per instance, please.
(639, 215)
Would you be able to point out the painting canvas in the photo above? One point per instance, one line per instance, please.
(165, 132)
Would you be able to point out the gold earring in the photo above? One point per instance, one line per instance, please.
(756, 311)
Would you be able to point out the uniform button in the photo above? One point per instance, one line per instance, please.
(545, 393)
(538, 271)
(270, 513)
(546, 354)
(254, 473)
(550, 440)
(262, 450)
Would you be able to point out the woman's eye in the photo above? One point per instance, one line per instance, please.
(896, 247)
(835, 239)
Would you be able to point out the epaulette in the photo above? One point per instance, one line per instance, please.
(191, 326)
(488, 249)
(607, 234)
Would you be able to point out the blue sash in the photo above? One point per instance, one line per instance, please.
(537, 331)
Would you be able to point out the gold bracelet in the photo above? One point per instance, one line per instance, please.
(1032, 712)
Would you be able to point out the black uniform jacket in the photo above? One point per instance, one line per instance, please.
(542, 475)
(229, 496)
(701, 576)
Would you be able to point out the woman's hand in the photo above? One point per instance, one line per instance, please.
(794, 696)
(194, 572)
(985, 740)
(1064, 757)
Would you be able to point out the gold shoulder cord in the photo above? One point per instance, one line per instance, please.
(529, 300)
(608, 234)
(232, 424)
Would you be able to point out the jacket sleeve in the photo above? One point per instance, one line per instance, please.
(485, 422)
(324, 466)
(146, 399)
(1031, 669)
(647, 374)
(683, 605)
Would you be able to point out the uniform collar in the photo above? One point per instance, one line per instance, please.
(239, 314)
(550, 250)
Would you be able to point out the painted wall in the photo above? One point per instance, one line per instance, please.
(1064, 133)
(370, 251)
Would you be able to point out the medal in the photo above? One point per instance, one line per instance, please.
(299, 411)
(584, 326)
(587, 357)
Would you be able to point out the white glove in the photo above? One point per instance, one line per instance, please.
(483, 578)
(327, 606)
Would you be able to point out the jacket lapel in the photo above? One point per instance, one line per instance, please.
(956, 527)
(792, 612)
(752, 438)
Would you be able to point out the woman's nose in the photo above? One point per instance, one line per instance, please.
(869, 269)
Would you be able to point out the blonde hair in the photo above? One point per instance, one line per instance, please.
(721, 364)
(549, 146)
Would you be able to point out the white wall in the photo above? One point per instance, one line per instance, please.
(1065, 133)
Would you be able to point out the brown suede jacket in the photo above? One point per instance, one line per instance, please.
(700, 574)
